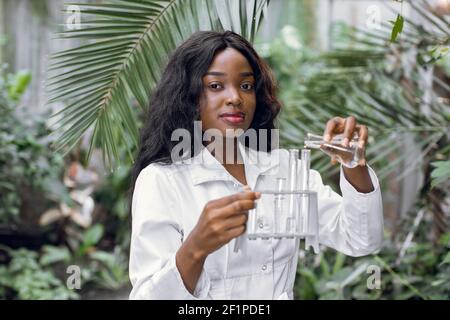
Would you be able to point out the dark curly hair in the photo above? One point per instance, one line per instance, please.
(175, 101)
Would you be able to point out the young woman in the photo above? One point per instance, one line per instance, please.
(186, 215)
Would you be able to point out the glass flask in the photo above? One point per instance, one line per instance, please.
(349, 157)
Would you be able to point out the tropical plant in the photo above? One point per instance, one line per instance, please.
(28, 171)
(99, 268)
(441, 173)
(24, 277)
(401, 92)
(128, 42)
(42, 274)
(422, 273)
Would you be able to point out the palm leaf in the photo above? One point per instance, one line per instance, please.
(127, 45)
(355, 80)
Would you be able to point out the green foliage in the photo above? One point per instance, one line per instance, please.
(42, 274)
(17, 84)
(90, 238)
(441, 173)
(446, 259)
(371, 78)
(111, 269)
(114, 196)
(397, 28)
(53, 254)
(423, 273)
(26, 160)
(103, 269)
(25, 278)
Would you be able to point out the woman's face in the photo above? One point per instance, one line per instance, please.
(228, 100)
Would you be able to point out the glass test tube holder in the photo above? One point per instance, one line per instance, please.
(291, 210)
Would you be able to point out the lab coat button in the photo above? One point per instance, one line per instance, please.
(261, 225)
(264, 267)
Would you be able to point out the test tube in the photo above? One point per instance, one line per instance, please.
(278, 206)
(293, 208)
(251, 223)
(305, 165)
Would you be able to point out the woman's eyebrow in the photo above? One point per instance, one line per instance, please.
(216, 73)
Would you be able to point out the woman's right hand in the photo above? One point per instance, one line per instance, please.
(222, 220)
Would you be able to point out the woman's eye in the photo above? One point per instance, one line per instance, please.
(215, 86)
(247, 86)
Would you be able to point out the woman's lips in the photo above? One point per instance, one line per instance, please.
(233, 118)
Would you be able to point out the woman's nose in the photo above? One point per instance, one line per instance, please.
(234, 98)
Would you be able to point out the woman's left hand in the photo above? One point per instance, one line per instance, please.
(348, 127)
(359, 176)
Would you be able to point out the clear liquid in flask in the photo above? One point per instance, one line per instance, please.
(350, 156)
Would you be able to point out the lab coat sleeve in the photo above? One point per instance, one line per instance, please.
(353, 223)
(155, 238)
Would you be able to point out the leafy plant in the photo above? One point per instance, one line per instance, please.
(100, 268)
(397, 27)
(90, 238)
(37, 274)
(423, 273)
(441, 173)
(394, 89)
(111, 268)
(383, 84)
(53, 254)
(113, 198)
(17, 84)
(25, 160)
(25, 278)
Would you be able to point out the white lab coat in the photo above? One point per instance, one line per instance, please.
(168, 200)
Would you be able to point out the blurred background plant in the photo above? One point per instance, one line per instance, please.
(400, 91)
(46, 218)
(24, 146)
(60, 210)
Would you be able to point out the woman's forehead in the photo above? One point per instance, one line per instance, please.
(229, 61)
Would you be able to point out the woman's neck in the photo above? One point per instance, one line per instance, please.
(228, 154)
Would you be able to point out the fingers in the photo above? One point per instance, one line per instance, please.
(222, 202)
(363, 133)
(333, 160)
(333, 126)
(238, 207)
(235, 232)
(236, 221)
(349, 127)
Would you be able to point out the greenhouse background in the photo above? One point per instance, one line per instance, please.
(63, 215)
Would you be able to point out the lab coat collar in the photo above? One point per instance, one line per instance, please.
(205, 167)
